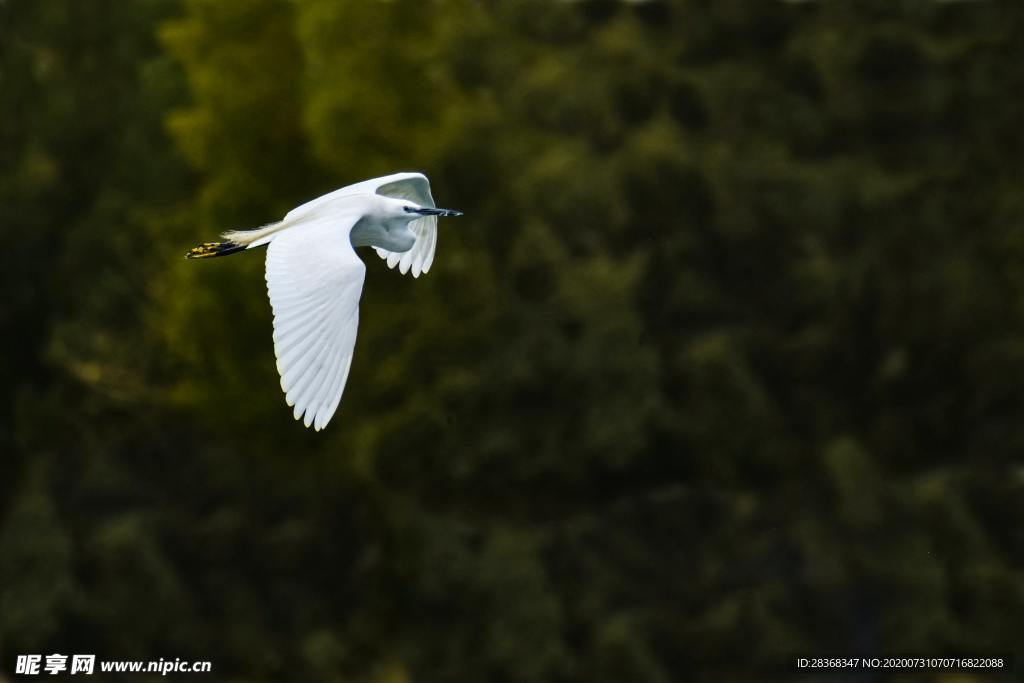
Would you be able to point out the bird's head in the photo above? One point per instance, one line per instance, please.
(386, 222)
(392, 208)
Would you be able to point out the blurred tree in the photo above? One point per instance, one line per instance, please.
(90, 185)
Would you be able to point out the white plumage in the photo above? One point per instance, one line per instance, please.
(315, 279)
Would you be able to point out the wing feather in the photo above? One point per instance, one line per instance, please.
(409, 185)
(315, 383)
(328, 383)
(314, 280)
(335, 380)
(416, 188)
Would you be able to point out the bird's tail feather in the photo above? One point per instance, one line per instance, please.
(257, 237)
(211, 249)
(235, 241)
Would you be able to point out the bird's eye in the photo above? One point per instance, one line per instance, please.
(409, 209)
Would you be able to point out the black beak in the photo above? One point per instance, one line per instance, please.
(425, 211)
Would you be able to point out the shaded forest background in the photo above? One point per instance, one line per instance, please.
(724, 363)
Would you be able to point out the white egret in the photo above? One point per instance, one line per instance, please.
(315, 279)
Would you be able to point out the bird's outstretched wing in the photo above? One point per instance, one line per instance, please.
(412, 186)
(314, 279)
(416, 188)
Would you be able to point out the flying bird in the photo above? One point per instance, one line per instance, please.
(315, 279)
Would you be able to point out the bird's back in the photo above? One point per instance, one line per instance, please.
(334, 198)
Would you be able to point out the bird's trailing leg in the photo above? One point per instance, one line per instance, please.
(211, 249)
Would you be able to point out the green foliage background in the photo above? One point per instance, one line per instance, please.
(723, 364)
